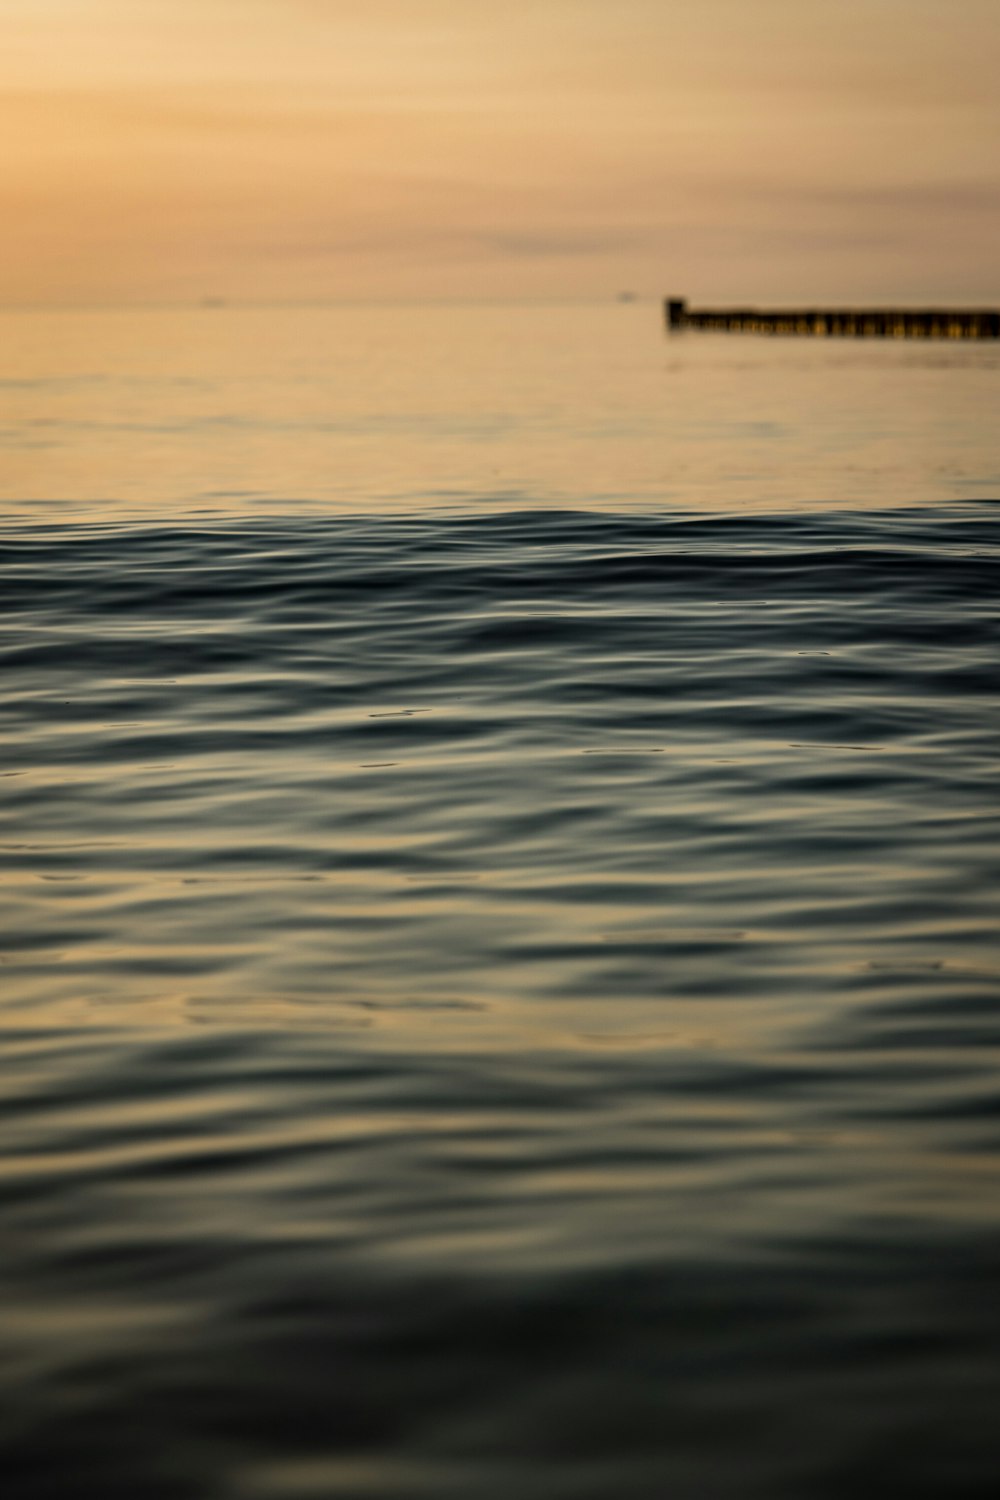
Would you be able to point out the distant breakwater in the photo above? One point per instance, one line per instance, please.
(842, 322)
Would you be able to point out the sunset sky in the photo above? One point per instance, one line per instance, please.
(832, 150)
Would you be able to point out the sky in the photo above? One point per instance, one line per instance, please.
(725, 150)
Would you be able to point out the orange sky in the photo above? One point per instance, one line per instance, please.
(723, 149)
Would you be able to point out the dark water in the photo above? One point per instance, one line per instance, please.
(500, 1002)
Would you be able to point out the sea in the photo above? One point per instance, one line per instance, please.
(499, 866)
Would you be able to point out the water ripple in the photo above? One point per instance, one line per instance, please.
(501, 1005)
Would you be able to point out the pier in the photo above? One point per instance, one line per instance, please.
(843, 322)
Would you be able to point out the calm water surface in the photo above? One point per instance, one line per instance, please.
(499, 969)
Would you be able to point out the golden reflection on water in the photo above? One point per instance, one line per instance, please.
(259, 409)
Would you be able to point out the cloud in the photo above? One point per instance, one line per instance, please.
(533, 244)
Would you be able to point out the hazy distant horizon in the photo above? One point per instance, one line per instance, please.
(209, 303)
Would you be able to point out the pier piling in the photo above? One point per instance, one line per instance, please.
(844, 322)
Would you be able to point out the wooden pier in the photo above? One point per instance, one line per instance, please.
(841, 322)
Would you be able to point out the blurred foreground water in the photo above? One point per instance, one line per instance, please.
(498, 991)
